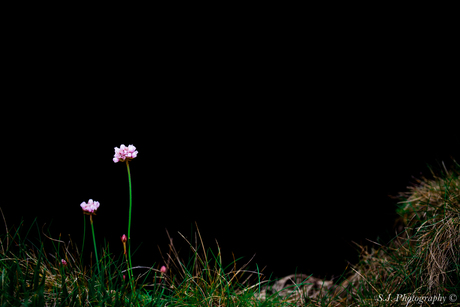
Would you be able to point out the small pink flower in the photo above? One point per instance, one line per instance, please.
(90, 207)
(123, 277)
(124, 239)
(163, 269)
(64, 262)
(124, 153)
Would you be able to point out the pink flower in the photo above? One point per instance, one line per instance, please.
(90, 207)
(124, 153)
(163, 269)
(64, 262)
(124, 239)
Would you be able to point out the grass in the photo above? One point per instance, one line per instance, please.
(420, 264)
(422, 261)
(31, 277)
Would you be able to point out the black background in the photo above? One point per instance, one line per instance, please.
(282, 145)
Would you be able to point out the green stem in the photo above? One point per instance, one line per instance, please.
(129, 226)
(94, 240)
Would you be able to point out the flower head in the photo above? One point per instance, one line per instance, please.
(124, 239)
(63, 262)
(124, 153)
(90, 207)
(163, 269)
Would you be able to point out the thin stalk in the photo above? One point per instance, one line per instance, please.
(129, 226)
(94, 240)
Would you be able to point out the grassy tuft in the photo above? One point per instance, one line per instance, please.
(31, 277)
(423, 260)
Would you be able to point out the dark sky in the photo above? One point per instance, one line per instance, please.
(292, 186)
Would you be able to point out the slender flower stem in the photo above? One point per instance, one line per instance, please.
(94, 240)
(129, 225)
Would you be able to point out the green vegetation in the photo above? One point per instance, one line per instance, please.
(30, 278)
(421, 264)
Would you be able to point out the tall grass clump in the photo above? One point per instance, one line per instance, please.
(421, 264)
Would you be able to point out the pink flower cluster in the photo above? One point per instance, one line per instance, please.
(90, 207)
(124, 153)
